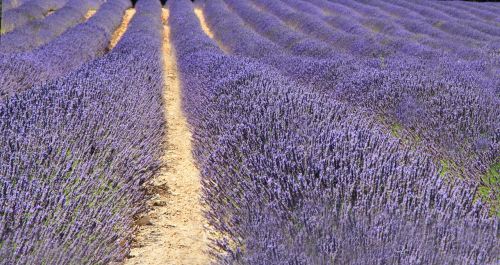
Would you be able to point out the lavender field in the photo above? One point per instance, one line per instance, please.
(249, 132)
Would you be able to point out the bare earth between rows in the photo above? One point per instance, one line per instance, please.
(173, 232)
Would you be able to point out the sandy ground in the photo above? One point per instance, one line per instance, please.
(199, 13)
(89, 14)
(201, 17)
(174, 231)
(117, 35)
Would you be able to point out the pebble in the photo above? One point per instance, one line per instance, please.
(145, 220)
(159, 203)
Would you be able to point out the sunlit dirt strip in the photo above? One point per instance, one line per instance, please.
(174, 231)
(117, 35)
(89, 14)
(201, 17)
(199, 13)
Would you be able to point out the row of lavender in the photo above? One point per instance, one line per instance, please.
(408, 29)
(39, 32)
(76, 46)
(447, 105)
(431, 28)
(10, 4)
(440, 26)
(436, 28)
(294, 176)
(464, 73)
(75, 153)
(27, 12)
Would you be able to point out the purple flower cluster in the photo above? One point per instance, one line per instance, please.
(74, 153)
(265, 24)
(39, 32)
(447, 103)
(69, 51)
(487, 11)
(292, 175)
(30, 10)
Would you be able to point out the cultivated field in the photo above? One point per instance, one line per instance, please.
(249, 132)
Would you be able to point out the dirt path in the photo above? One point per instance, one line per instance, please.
(199, 13)
(117, 35)
(89, 14)
(175, 229)
(203, 23)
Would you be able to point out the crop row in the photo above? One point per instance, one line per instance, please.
(376, 34)
(451, 111)
(69, 51)
(10, 4)
(390, 50)
(29, 10)
(39, 32)
(75, 153)
(291, 175)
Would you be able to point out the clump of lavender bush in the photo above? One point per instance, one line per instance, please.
(292, 176)
(28, 11)
(39, 32)
(72, 164)
(69, 51)
(454, 102)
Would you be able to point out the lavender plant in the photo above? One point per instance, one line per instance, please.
(10, 4)
(28, 11)
(404, 90)
(39, 32)
(72, 164)
(80, 44)
(293, 176)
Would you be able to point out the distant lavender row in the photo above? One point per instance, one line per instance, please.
(292, 176)
(430, 26)
(72, 163)
(417, 45)
(385, 23)
(39, 32)
(10, 4)
(488, 11)
(478, 29)
(346, 35)
(457, 115)
(361, 45)
(464, 28)
(78, 45)
(421, 41)
(30, 10)
(393, 38)
(271, 27)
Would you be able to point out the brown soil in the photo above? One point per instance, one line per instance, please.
(117, 35)
(201, 17)
(89, 14)
(199, 13)
(174, 231)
